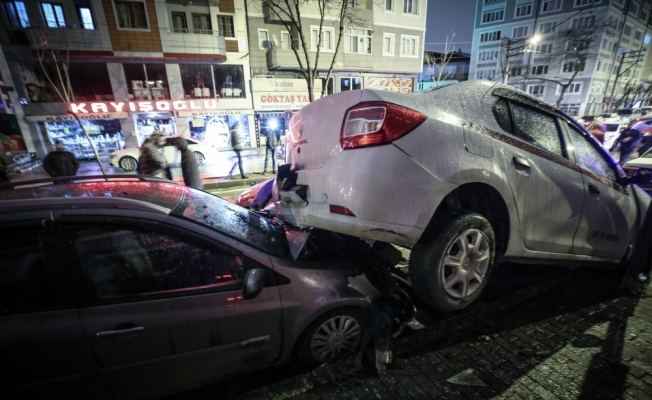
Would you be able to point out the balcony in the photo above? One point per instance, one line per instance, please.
(192, 41)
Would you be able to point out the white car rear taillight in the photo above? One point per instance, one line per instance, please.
(375, 123)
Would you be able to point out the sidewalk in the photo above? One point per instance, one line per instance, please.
(214, 175)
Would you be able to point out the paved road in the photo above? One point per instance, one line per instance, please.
(539, 332)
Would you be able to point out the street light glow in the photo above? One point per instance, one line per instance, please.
(535, 39)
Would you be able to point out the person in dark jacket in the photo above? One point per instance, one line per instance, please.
(189, 165)
(4, 168)
(628, 139)
(270, 148)
(238, 144)
(151, 161)
(60, 162)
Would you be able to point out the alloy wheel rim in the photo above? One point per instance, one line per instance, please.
(199, 158)
(337, 335)
(127, 164)
(465, 264)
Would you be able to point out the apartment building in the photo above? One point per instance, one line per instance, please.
(384, 50)
(179, 66)
(510, 25)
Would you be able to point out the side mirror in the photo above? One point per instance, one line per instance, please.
(254, 282)
(642, 175)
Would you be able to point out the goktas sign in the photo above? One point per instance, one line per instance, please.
(142, 106)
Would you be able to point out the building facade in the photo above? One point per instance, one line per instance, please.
(129, 67)
(382, 50)
(455, 68)
(616, 52)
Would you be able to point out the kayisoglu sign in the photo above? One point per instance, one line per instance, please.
(142, 106)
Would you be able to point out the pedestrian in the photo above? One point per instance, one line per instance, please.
(238, 145)
(270, 149)
(4, 168)
(60, 162)
(189, 165)
(151, 161)
(628, 139)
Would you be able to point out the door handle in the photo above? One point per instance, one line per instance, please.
(593, 188)
(521, 161)
(119, 332)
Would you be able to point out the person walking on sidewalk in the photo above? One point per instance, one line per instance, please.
(628, 139)
(60, 162)
(189, 165)
(238, 144)
(270, 149)
(151, 161)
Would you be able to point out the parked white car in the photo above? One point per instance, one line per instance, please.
(611, 129)
(127, 159)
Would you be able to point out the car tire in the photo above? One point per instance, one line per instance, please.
(199, 157)
(449, 270)
(336, 332)
(128, 163)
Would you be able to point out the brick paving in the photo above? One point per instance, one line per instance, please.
(537, 333)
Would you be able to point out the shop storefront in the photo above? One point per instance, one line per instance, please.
(214, 127)
(273, 97)
(103, 129)
(205, 120)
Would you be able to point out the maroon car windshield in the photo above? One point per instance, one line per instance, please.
(233, 221)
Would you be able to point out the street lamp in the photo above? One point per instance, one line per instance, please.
(507, 45)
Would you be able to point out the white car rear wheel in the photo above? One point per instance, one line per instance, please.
(199, 157)
(128, 163)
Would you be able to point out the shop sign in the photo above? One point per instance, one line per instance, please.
(142, 106)
(281, 101)
(37, 118)
(283, 85)
(211, 113)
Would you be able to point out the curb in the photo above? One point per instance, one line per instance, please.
(233, 183)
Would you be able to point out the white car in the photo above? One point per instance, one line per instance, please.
(611, 129)
(127, 159)
(643, 161)
(467, 175)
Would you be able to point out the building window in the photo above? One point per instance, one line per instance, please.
(638, 35)
(411, 7)
(357, 40)
(573, 66)
(488, 55)
(544, 48)
(131, 15)
(486, 74)
(53, 14)
(573, 88)
(583, 22)
(225, 26)
(285, 40)
(352, 83)
(493, 16)
(326, 39)
(389, 5)
(516, 71)
(409, 46)
(520, 32)
(633, 8)
(146, 81)
(547, 27)
(490, 36)
(523, 10)
(644, 13)
(86, 18)
(627, 31)
(263, 39)
(179, 22)
(201, 24)
(389, 41)
(551, 5)
(17, 14)
(539, 70)
(536, 90)
(585, 2)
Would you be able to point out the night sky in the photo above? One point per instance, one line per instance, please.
(445, 16)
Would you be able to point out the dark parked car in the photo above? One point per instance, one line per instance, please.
(137, 287)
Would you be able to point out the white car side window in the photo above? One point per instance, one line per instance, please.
(588, 157)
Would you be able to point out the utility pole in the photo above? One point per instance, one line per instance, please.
(507, 46)
(620, 65)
